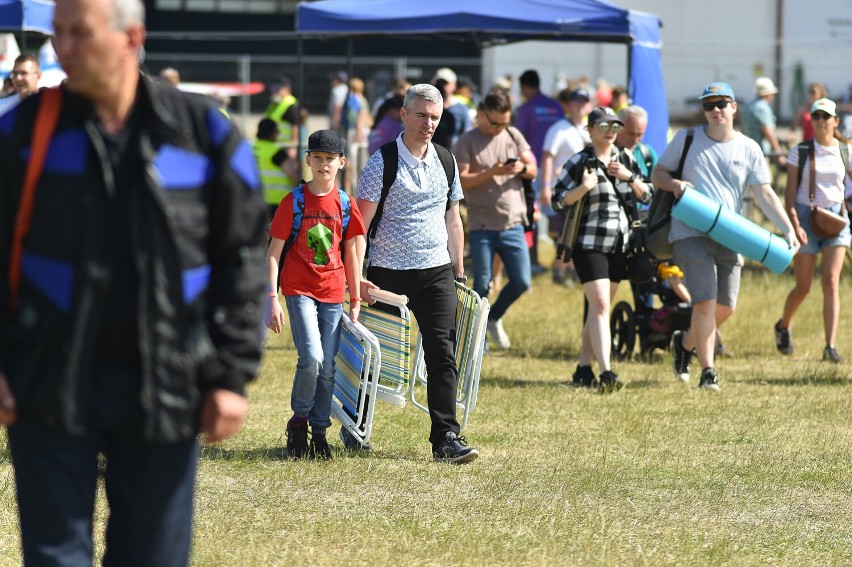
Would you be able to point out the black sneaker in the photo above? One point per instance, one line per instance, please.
(297, 439)
(319, 449)
(680, 357)
(609, 382)
(351, 443)
(454, 449)
(709, 380)
(829, 354)
(784, 339)
(583, 377)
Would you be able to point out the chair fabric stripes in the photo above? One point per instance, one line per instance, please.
(471, 321)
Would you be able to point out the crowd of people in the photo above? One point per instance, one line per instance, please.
(143, 244)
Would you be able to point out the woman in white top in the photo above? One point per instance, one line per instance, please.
(832, 186)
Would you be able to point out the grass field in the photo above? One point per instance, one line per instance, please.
(660, 473)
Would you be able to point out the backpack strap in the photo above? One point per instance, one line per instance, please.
(390, 164)
(345, 211)
(446, 159)
(298, 212)
(47, 117)
(690, 135)
(804, 150)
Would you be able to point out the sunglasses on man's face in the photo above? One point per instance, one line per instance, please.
(605, 127)
(720, 104)
(820, 115)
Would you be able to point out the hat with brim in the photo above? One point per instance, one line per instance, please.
(329, 141)
(718, 89)
(603, 114)
(764, 86)
(824, 105)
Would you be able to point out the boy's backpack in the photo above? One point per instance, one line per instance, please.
(390, 157)
(660, 211)
(804, 151)
(299, 211)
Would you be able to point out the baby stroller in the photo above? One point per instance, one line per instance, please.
(653, 326)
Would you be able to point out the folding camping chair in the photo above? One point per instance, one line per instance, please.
(383, 349)
(358, 360)
(471, 322)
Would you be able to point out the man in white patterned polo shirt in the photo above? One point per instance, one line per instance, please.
(417, 251)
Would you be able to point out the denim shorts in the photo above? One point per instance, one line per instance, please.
(814, 244)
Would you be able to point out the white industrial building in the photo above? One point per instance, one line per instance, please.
(794, 42)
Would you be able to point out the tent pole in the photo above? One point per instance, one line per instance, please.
(300, 93)
(629, 71)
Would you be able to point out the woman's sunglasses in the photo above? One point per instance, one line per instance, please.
(820, 115)
(720, 104)
(605, 127)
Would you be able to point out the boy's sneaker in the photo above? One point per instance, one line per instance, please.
(680, 357)
(351, 443)
(709, 380)
(609, 382)
(297, 438)
(784, 339)
(454, 449)
(319, 449)
(829, 354)
(498, 334)
(583, 377)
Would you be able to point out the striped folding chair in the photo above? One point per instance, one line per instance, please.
(383, 349)
(390, 320)
(357, 361)
(471, 323)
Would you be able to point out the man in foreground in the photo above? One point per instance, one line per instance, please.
(415, 250)
(136, 321)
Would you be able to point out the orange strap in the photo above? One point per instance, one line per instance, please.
(46, 119)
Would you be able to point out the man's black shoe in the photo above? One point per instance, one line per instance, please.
(680, 357)
(454, 449)
(709, 380)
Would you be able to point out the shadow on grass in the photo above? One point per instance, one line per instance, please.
(279, 454)
(507, 382)
(835, 378)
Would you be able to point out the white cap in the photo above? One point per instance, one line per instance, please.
(445, 73)
(825, 105)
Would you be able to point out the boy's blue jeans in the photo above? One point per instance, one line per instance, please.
(316, 330)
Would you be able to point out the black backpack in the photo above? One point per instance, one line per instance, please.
(390, 156)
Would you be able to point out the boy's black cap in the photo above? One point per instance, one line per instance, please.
(326, 141)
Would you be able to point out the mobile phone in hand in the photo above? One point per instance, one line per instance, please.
(510, 161)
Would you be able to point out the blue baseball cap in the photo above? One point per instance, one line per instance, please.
(718, 89)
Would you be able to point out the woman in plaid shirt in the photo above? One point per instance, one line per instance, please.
(610, 182)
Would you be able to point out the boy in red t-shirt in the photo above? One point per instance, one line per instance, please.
(312, 282)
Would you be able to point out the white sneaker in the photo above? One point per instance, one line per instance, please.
(498, 334)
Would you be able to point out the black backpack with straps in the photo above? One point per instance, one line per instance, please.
(390, 157)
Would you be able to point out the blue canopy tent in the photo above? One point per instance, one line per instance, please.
(502, 21)
(26, 16)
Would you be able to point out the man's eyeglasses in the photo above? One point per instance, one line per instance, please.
(14, 74)
(820, 115)
(720, 104)
(496, 124)
(605, 127)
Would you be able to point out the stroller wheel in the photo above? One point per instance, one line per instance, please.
(622, 327)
